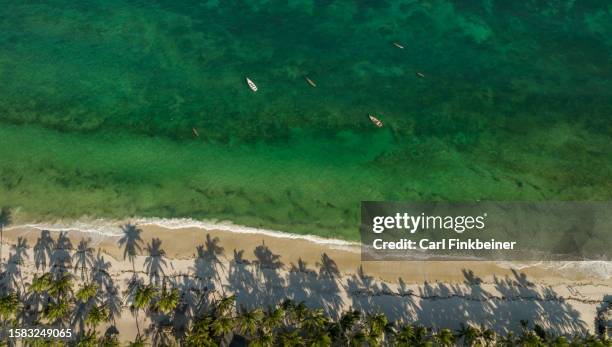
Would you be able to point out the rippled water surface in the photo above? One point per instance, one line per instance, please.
(500, 100)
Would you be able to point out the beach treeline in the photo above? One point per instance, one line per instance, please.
(73, 287)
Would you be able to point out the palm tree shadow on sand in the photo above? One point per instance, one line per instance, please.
(243, 282)
(154, 262)
(42, 250)
(316, 289)
(60, 259)
(83, 257)
(131, 242)
(268, 270)
(258, 283)
(208, 267)
(473, 307)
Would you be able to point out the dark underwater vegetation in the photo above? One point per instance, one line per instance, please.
(98, 100)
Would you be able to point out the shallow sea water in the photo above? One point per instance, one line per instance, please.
(99, 99)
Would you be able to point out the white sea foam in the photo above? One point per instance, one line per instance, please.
(228, 226)
(99, 227)
(590, 268)
(112, 228)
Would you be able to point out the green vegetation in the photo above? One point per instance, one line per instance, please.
(179, 312)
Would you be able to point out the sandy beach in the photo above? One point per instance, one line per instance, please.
(264, 270)
(201, 172)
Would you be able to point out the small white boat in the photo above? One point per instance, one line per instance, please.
(398, 45)
(420, 74)
(251, 84)
(311, 82)
(195, 132)
(376, 121)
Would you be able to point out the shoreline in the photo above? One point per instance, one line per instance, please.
(263, 270)
(112, 228)
(236, 237)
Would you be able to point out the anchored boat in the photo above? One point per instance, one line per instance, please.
(251, 84)
(311, 82)
(376, 121)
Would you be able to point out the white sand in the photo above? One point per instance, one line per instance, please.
(563, 298)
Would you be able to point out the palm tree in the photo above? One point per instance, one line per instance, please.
(290, 339)
(273, 319)
(86, 292)
(143, 297)
(39, 342)
(168, 300)
(5, 219)
(469, 334)
(109, 341)
(132, 243)
(410, 335)
(445, 338)
(299, 312)
(508, 340)
(9, 306)
(61, 287)
(139, 341)
(222, 326)
(38, 293)
(225, 305)
(83, 257)
(95, 316)
(529, 339)
(290, 314)
(378, 325)
(345, 325)
(421, 334)
(357, 339)
(262, 340)
(57, 311)
(84, 300)
(320, 339)
(88, 339)
(219, 323)
(41, 284)
(314, 321)
(160, 333)
(248, 322)
(199, 334)
(488, 336)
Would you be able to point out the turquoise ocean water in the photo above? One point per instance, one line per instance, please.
(98, 100)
